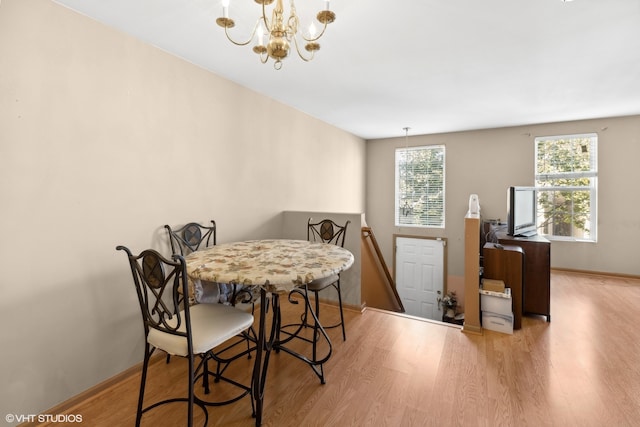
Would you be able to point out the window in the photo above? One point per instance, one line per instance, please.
(420, 186)
(566, 182)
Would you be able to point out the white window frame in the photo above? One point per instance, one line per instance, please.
(542, 183)
(407, 200)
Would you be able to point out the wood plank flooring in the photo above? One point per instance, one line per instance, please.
(582, 369)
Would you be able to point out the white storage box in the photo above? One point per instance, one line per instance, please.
(497, 322)
(496, 302)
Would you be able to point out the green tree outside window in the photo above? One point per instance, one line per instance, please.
(566, 184)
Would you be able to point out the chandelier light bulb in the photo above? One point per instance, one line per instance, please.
(225, 8)
(260, 35)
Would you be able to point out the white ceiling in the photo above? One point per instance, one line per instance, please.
(432, 65)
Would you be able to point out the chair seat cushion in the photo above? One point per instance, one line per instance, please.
(320, 284)
(211, 325)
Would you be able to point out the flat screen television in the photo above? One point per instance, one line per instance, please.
(521, 211)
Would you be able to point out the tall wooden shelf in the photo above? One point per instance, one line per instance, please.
(537, 272)
(472, 274)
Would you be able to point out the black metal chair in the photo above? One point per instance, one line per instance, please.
(327, 231)
(190, 238)
(183, 330)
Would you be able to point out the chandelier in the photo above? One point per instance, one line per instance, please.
(279, 31)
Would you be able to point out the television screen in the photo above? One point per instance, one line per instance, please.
(521, 211)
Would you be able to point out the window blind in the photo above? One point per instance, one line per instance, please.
(420, 192)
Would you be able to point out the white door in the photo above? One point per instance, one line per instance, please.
(419, 276)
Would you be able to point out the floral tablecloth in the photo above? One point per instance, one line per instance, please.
(277, 265)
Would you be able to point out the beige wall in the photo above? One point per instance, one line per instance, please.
(104, 139)
(487, 162)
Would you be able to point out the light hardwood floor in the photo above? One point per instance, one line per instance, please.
(582, 369)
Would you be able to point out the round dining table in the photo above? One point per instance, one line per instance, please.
(278, 265)
(272, 266)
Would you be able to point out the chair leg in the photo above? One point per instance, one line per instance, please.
(277, 313)
(249, 331)
(192, 380)
(205, 374)
(305, 315)
(319, 369)
(143, 382)
(316, 293)
(315, 325)
(315, 361)
(344, 335)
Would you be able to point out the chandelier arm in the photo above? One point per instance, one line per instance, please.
(313, 39)
(292, 22)
(305, 59)
(292, 27)
(264, 19)
(253, 33)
